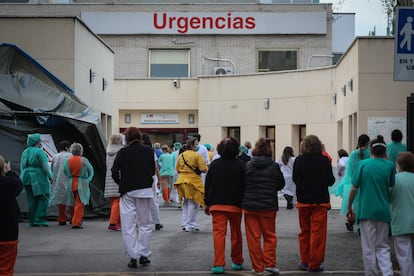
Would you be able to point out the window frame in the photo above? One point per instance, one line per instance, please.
(261, 70)
(187, 50)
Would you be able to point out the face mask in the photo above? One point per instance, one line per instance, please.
(197, 148)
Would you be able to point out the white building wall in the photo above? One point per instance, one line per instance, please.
(98, 57)
(131, 51)
(68, 49)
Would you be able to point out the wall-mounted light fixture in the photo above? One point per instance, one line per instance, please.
(191, 118)
(127, 118)
(351, 85)
(176, 83)
(104, 84)
(344, 90)
(92, 76)
(334, 98)
(266, 103)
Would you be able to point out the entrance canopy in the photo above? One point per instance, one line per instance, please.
(33, 100)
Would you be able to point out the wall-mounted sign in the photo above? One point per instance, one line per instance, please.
(385, 125)
(160, 118)
(225, 23)
(404, 45)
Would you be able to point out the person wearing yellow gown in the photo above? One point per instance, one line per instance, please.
(189, 184)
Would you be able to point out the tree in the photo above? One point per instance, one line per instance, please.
(390, 7)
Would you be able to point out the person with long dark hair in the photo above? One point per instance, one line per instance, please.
(373, 178)
(286, 166)
(362, 152)
(312, 173)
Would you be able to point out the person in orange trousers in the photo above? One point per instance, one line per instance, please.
(224, 190)
(313, 218)
(10, 188)
(111, 188)
(80, 173)
(263, 179)
(59, 196)
(312, 173)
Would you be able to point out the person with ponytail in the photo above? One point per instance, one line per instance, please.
(373, 178)
(360, 153)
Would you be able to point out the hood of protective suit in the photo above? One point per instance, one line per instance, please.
(113, 149)
(33, 139)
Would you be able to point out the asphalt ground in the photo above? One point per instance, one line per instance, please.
(95, 250)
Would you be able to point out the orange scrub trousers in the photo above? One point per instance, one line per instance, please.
(261, 224)
(313, 221)
(221, 215)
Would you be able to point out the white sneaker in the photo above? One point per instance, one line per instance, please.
(272, 270)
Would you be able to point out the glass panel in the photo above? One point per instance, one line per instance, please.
(169, 56)
(169, 70)
(234, 132)
(277, 60)
(169, 63)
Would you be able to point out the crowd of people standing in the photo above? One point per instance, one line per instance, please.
(376, 183)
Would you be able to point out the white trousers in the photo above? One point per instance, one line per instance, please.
(404, 249)
(190, 211)
(375, 248)
(155, 209)
(136, 212)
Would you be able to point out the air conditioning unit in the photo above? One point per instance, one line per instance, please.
(223, 71)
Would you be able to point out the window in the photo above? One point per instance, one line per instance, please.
(234, 132)
(277, 60)
(271, 135)
(169, 63)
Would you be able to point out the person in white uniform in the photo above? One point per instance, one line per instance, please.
(155, 210)
(203, 151)
(286, 166)
(133, 170)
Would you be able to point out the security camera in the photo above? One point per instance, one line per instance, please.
(176, 83)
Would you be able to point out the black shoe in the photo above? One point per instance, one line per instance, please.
(132, 263)
(158, 226)
(349, 226)
(62, 222)
(144, 260)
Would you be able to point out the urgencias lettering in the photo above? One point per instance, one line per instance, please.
(184, 23)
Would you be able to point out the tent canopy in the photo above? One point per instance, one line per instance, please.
(33, 100)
